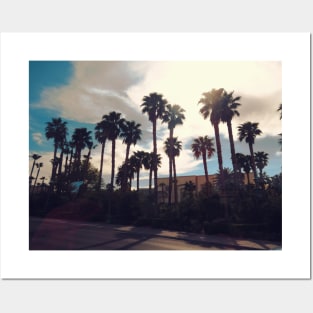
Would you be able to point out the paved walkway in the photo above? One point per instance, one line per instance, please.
(223, 240)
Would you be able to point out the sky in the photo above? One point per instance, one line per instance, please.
(81, 92)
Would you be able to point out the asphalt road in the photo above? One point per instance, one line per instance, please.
(67, 235)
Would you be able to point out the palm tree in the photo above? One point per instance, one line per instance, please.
(81, 139)
(115, 125)
(228, 111)
(249, 131)
(137, 161)
(240, 158)
(177, 147)
(212, 101)
(247, 165)
(56, 130)
(203, 146)
(173, 115)
(130, 133)
(129, 169)
(154, 106)
(90, 146)
(148, 165)
(35, 158)
(261, 160)
(101, 134)
(38, 165)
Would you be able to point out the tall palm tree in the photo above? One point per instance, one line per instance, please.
(228, 111)
(56, 130)
(249, 131)
(173, 116)
(131, 133)
(115, 124)
(212, 101)
(81, 139)
(154, 106)
(175, 150)
(101, 134)
(203, 146)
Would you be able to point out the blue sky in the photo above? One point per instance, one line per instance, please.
(81, 92)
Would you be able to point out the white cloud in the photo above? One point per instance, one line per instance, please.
(38, 138)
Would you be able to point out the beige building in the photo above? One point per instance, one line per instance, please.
(198, 181)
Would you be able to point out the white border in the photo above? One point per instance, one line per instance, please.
(18, 48)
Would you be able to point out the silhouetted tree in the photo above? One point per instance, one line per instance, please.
(212, 101)
(131, 133)
(154, 106)
(203, 146)
(249, 131)
(56, 130)
(173, 116)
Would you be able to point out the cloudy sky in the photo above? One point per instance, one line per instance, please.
(81, 92)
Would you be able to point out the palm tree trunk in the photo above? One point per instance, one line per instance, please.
(175, 181)
(66, 164)
(138, 170)
(218, 147)
(150, 179)
(36, 179)
(170, 179)
(113, 163)
(205, 171)
(155, 169)
(53, 164)
(101, 165)
(31, 173)
(69, 170)
(87, 163)
(61, 162)
(232, 147)
(253, 161)
(124, 178)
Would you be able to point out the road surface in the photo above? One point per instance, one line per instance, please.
(47, 234)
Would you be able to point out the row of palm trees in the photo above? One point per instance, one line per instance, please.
(217, 104)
